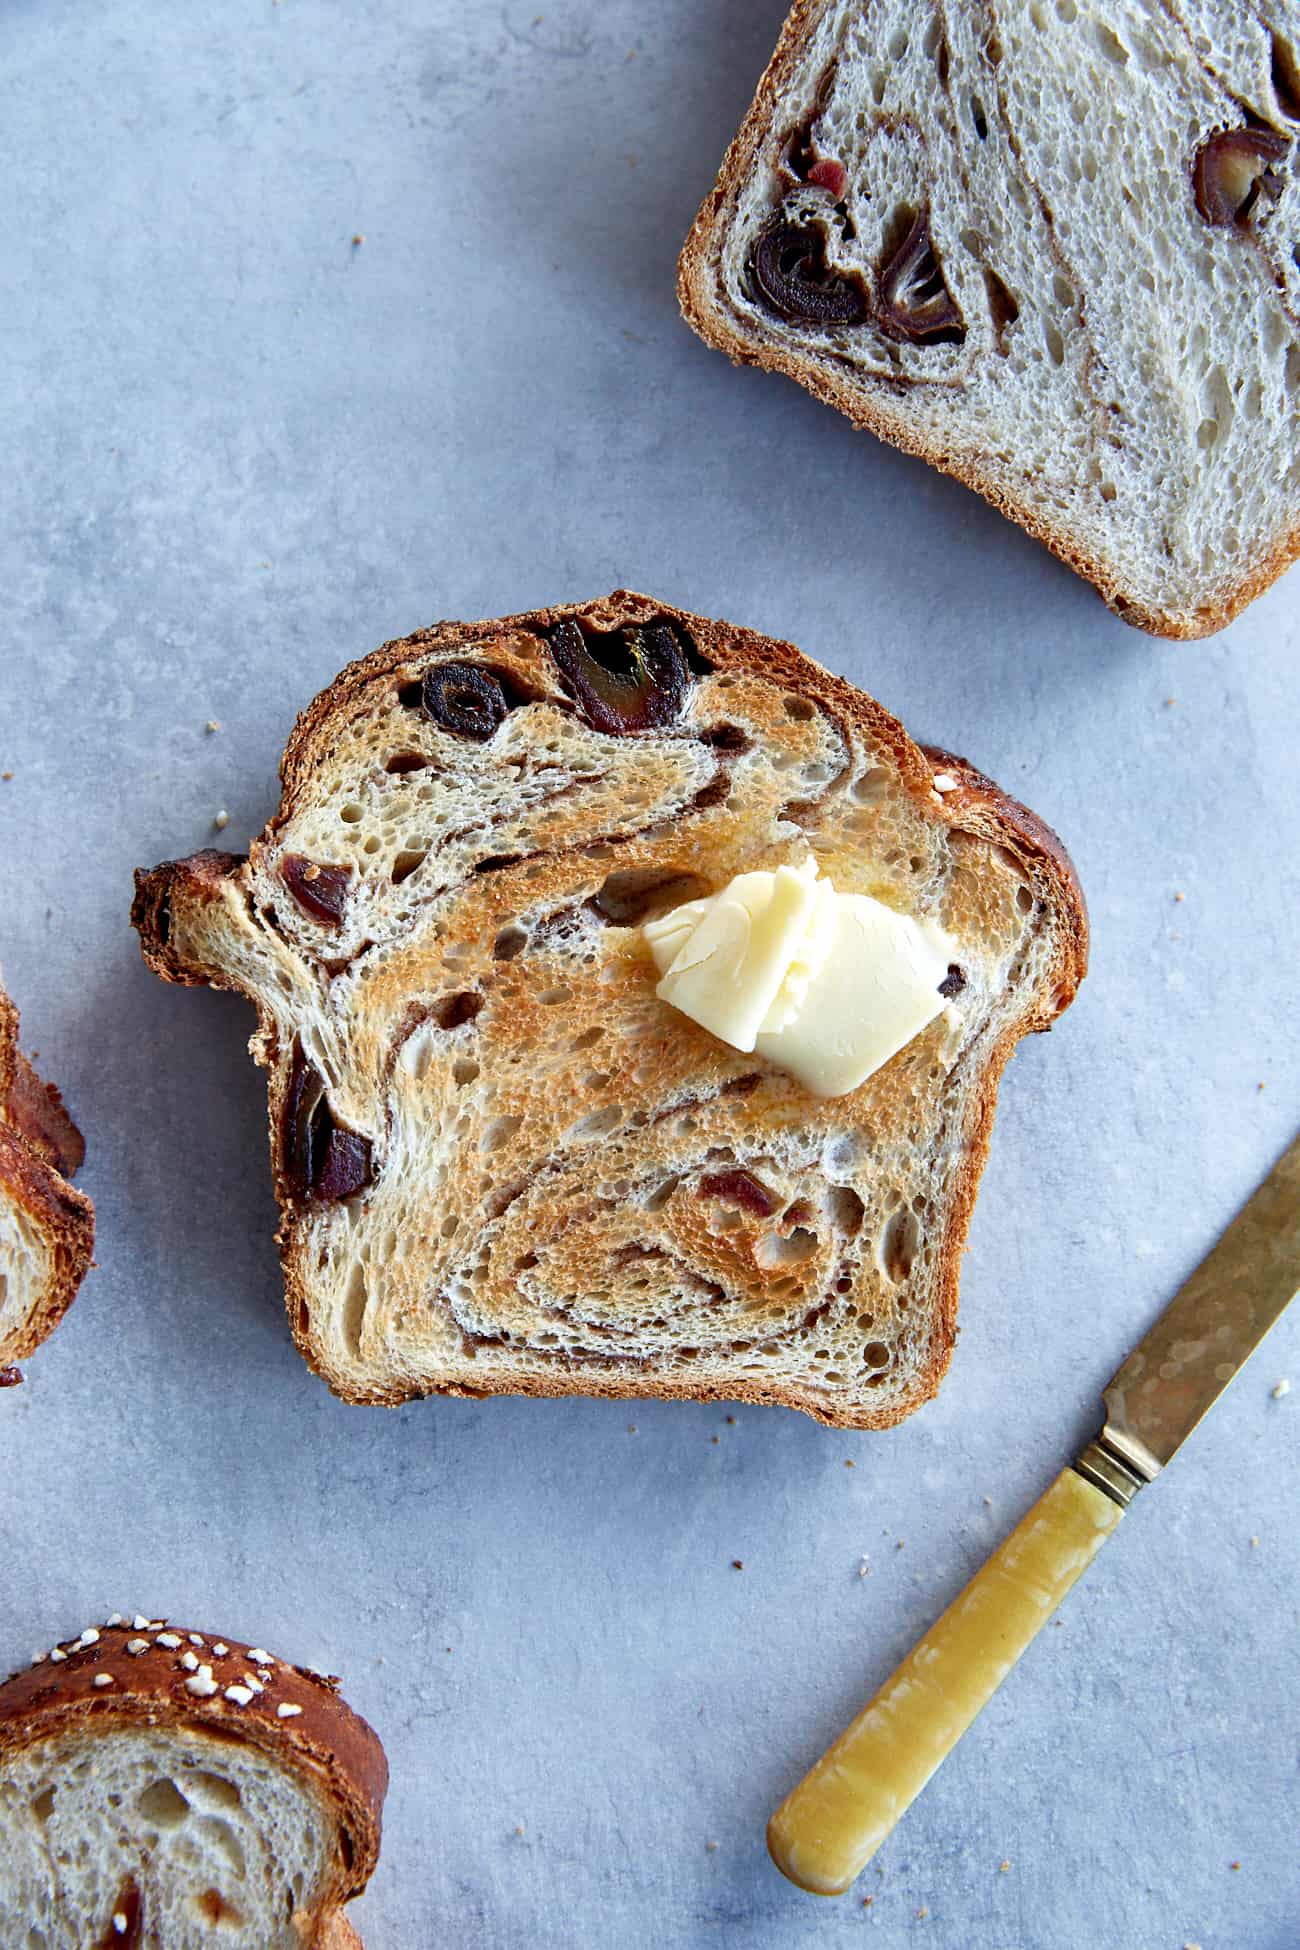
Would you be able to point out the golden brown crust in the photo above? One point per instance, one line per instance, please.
(707, 315)
(971, 805)
(336, 1933)
(198, 878)
(40, 1148)
(329, 1746)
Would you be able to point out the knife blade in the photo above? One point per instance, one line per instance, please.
(832, 1823)
(1213, 1324)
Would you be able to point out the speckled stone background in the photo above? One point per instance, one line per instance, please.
(239, 449)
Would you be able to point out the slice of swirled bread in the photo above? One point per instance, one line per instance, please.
(1053, 247)
(503, 1164)
(47, 1227)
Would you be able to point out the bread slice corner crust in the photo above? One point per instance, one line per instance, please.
(503, 1165)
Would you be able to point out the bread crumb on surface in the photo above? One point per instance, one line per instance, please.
(358, 238)
(1234, 1865)
(922, 1913)
(222, 820)
(213, 724)
(1254, 1543)
(1003, 1867)
(737, 1563)
(1283, 1387)
(6, 775)
(711, 1847)
(1180, 897)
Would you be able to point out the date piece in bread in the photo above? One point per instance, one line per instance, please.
(47, 1229)
(1051, 248)
(162, 1789)
(502, 1163)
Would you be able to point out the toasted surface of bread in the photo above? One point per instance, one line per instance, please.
(1050, 248)
(47, 1228)
(162, 1789)
(503, 1164)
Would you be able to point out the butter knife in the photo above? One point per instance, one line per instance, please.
(832, 1823)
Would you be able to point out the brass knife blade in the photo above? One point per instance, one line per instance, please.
(1209, 1329)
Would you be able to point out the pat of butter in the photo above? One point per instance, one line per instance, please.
(828, 986)
(728, 971)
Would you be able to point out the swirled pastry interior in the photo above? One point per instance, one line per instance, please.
(503, 1163)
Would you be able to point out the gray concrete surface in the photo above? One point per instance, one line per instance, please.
(239, 450)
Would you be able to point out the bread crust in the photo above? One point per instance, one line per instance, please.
(973, 805)
(884, 414)
(40, 1148)
(332, 1749)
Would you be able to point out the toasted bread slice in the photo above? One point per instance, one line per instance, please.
(1051, 249)
(47, 1229)
(162, 1789)
(503, 1164)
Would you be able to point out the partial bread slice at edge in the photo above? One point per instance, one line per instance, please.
(1184, 370)
(707, 1228)
(47, 1227)
(159, 1786)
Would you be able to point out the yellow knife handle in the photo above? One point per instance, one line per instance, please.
(828, 1828)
